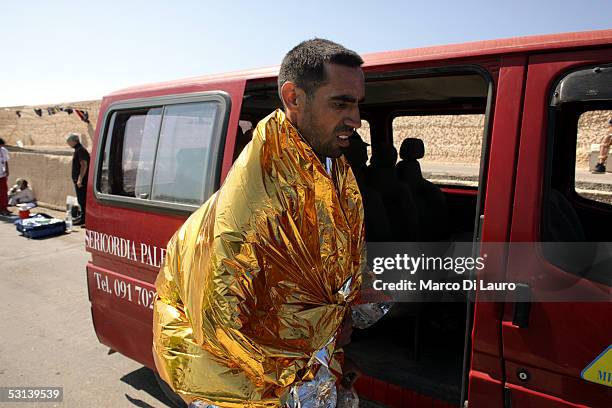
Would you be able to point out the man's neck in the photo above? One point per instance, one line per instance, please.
(321, 158)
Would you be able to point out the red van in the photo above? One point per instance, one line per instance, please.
(520, 110)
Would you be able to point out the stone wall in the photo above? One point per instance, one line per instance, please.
(49, 131)
(458, 139)
(447, 138)
(592, 127)
(45, 159)
(48, 175)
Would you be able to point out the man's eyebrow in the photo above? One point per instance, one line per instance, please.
(346, 98)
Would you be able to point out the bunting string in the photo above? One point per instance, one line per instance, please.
(81, 112)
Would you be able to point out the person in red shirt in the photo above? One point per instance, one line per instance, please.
(4, 173)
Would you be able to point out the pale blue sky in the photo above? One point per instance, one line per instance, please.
(61, 51)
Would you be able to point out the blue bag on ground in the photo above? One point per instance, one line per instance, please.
(40, 226)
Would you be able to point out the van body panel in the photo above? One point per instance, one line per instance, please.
(380, 59)
(485, 391)
(121, 323)
(527, 398)
(546, 343)
(127, 245)
(494, 47)
(568, 388)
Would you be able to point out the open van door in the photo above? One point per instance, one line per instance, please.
(554, 351)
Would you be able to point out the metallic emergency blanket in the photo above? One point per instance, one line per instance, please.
(257, 282)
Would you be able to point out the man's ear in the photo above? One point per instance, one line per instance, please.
(291, 96)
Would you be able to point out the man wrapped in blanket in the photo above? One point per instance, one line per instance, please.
(258, 284)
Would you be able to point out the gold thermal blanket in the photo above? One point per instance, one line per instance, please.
(257, 282)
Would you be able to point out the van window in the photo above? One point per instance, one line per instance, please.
(245, 125)
(364, 132)
(162, 155)
(183, 152)
(594, 136)
(128, 162)
(576, 210)
(452, 145)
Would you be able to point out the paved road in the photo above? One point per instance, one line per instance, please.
(439, 170)
(47, 335)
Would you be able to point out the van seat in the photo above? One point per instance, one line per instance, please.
(563, 226)
(397, 198)
(429, 199)
(377, 226)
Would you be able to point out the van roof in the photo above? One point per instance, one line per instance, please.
(443, 52)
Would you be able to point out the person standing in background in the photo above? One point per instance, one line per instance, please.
(604, 149)
(80, 168)
(4, 173)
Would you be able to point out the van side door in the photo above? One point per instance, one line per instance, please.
(556, 333)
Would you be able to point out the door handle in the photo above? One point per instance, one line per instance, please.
(522, 305)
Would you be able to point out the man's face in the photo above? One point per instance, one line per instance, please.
(71, 143)
(329, 116)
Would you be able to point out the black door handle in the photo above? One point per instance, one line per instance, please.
(522, 305)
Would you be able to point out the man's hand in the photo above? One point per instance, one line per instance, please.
(82, 172)
(350, 373)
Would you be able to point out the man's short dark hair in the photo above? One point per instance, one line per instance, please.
(2, 141)
(304, 65)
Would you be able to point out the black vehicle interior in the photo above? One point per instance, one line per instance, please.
(417, 346)
(590, 213)
(568, 216)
